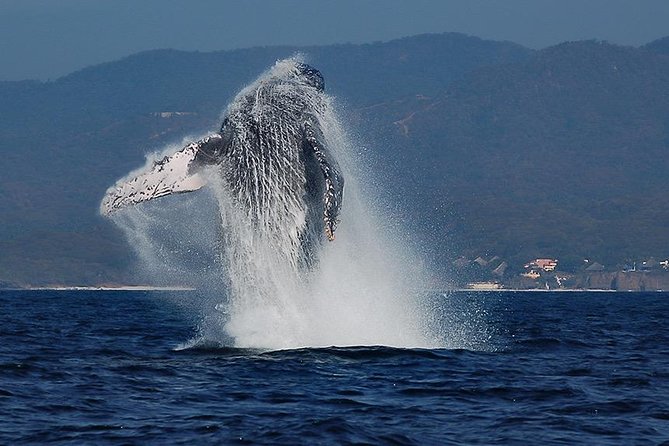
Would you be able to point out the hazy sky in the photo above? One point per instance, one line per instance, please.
(45, 39)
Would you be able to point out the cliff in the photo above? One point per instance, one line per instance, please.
(624, 281)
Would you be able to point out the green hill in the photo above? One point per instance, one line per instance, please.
(492, 148)
(64, 142)
(563, 155)
(659, 46)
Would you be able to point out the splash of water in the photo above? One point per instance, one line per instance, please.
(363, 288)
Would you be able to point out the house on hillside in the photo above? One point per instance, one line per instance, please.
(500, 269)
(649, 265)
(531, 274)
(595, 268)
(461, 262)
(542, 264)
(481, 261)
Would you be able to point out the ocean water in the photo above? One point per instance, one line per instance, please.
(103, 367)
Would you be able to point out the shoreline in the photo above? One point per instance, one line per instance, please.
(556, 290)
(443, 291)
(104, 288)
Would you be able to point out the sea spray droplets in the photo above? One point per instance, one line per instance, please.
(361, 289)
(358, 293)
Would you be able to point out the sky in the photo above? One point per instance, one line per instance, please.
(46, 39)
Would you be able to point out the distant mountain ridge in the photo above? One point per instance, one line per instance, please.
(494, 148)
(64, 142)
(565, 154)
(659, 46)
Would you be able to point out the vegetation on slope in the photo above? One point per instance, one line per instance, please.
(563, 155)
(64, 142)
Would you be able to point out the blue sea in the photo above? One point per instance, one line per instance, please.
(104, 367)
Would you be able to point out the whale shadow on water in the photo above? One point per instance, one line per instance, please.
(268, 276)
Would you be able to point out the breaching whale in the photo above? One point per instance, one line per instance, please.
(270, 156)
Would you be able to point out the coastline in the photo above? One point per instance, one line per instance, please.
(542, 290)
(555, 290)
(443, 291)
(103, 288)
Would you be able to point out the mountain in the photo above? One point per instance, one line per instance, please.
(659, 46)
(64, 142)
(564, 155)
(489, 149)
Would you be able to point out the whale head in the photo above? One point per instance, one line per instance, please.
(310, 76)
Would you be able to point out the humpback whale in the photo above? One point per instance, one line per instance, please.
(270, 158)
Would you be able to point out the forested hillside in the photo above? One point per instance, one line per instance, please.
(64, 142)
(563, 155)
(487, 147)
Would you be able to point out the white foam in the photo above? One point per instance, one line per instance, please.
(362, 290)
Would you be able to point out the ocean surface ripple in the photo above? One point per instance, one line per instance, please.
(539, 368)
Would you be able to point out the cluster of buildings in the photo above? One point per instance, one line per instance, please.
(543, 273)
(535, 267)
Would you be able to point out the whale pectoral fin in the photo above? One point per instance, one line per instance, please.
(332, 177)
(176, 173)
